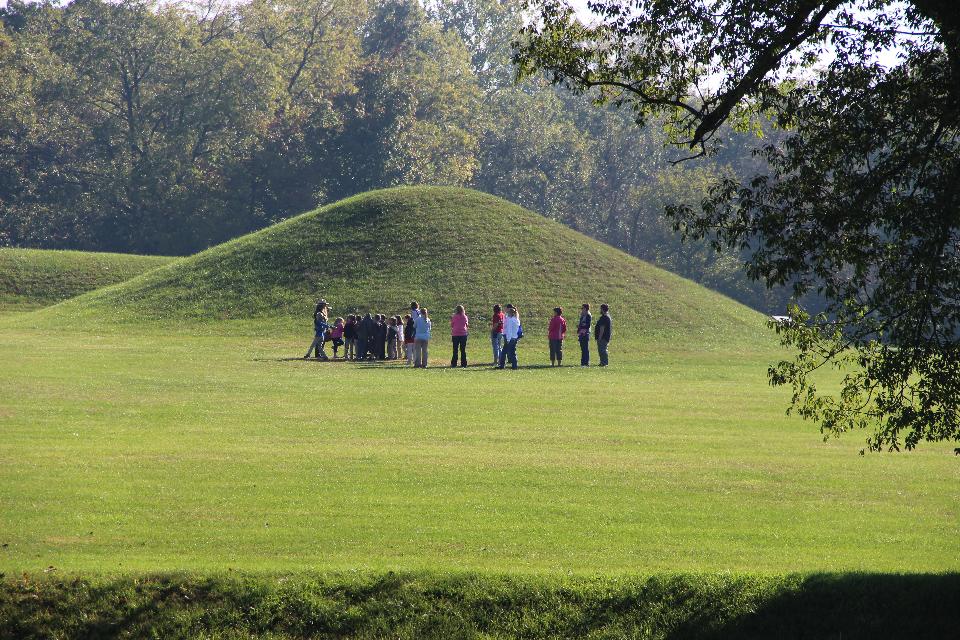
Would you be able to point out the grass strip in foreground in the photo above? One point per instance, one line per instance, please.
(426, 605)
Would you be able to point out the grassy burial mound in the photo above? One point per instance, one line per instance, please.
(32, 278)
(441, 246)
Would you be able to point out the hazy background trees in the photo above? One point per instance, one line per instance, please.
(140, 127)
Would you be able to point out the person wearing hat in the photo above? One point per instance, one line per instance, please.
(320, 327)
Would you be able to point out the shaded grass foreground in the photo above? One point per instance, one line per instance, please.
(482, 606)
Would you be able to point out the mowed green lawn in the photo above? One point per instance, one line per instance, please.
(167, 451)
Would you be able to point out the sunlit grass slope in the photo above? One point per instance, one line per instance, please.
(33, 278)
(442, 246)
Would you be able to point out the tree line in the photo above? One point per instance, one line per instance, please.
(166, 128)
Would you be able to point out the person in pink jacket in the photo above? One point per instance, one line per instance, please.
(459, 326)
(556, 332)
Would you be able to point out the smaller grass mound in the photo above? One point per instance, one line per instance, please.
(34, 278)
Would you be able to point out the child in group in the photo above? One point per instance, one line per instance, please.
(336, 335)
(399, 340)
(496, 333)
(350, 338)
(556, 332)
(459, 328)
(392, 338)
(380, 342)
(409, 331)
(365, 329)
(320, 327)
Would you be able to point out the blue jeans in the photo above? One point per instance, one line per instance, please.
(585, 350)
(496, 339)
(509, 352)
(602, 350)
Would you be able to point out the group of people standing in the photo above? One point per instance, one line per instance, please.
(380, 337)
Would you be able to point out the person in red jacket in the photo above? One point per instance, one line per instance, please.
(556, 333)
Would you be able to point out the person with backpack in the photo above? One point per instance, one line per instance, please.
(556, 332)
(602, 333)
(512, 332)
(459, 327)
(583, 334)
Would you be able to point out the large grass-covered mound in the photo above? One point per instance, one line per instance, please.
(441, 246)
(33, 278)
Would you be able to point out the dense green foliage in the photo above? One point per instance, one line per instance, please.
(859, 203)
(134, 127)
(442, 246)
(31, 278)
(425, 606)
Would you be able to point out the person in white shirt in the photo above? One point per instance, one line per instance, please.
(511, 333)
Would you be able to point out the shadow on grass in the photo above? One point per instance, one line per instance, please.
(400, 365)
(840, 607)
(355, 605)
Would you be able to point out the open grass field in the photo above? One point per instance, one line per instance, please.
(166, 425)
(147, 452)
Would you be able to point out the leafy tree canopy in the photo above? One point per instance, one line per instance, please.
(161, 127)
(861, 200)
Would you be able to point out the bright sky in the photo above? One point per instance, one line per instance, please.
(887, 58)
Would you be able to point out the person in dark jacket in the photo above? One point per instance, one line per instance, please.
(583, 334)
(364, 329)
(603, 332)
(409, 331)
(380, 338)
(350, 338)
